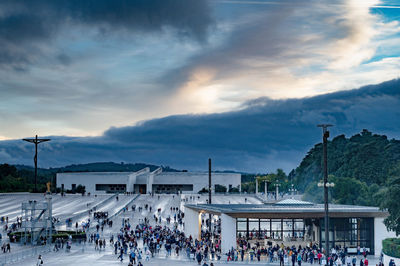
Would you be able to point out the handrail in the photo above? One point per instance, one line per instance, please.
(85, 212)
(14, 257)
(115, 214)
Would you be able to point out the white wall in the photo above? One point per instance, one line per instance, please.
(90, 179)
(131, 182)
(192, 223)
(228, 232)
(386, 260)
(380, 233)
(199, 180)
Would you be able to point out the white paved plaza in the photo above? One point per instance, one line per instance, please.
(77, 206)
(86, 255)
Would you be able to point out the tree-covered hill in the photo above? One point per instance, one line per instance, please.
(359, 166)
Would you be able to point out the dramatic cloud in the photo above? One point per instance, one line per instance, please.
(26, 26)
(264, 135)
(76, 68)
(284, 50)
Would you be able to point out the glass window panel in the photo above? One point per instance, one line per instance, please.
(298, 225)
(265, 225)
(276, 225)
(241, 226)
(287, 224)
(253, 226)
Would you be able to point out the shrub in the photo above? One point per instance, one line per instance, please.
(391, 247)
(203, 190)
(59, 234)
(220, 188)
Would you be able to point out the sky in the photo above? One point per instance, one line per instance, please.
(173, 82)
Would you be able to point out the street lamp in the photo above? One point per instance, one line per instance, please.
(321, 184)
(277, 189)
(292, 190)
(325, 136)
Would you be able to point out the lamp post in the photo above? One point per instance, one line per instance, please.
(36, 141)
(256, 185)
(292, 190)
(325, 136)
(266, 189)
(277, 189)
(209, 193)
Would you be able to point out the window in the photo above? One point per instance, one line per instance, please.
(350, 232)
(278, 229)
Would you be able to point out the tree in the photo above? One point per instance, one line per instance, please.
(7, 170)
(234, 190)
(80, 189)
(391, 202)
(220, 188)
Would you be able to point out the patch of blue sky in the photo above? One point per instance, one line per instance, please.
(379, 57)
(386, 47)
(387, 14)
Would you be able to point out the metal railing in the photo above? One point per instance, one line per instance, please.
(17, 256)
(93, 227)
(85, 212)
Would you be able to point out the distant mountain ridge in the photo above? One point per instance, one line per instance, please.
(98, 167)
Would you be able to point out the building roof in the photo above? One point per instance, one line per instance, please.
(288, 208)
(96, 173)
(293, 202)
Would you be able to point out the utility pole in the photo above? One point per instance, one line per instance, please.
(209, 191)
(36, 141)
(325, 136)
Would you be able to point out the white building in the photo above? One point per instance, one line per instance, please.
(294, 222)
(145, 181)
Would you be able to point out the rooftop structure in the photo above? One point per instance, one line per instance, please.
(294, 222)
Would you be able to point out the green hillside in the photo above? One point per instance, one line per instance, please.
(359, 166)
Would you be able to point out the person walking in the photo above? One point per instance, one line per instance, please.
(281, 259)
(299, 259)
(293, 259)
(354, 260)
(39, 261)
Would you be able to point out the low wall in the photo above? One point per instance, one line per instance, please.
(386, 260)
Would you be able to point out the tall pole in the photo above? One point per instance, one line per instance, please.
(265, 188)
(325, 136)
(36, 141)
(209, 180)
(35, 160)
(277, 190)
(256, 185)
(209, 190)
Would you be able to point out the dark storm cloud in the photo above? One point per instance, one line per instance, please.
(25, 24)
(264, 135)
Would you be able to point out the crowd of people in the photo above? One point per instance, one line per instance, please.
(293, 255)
(141, 241)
